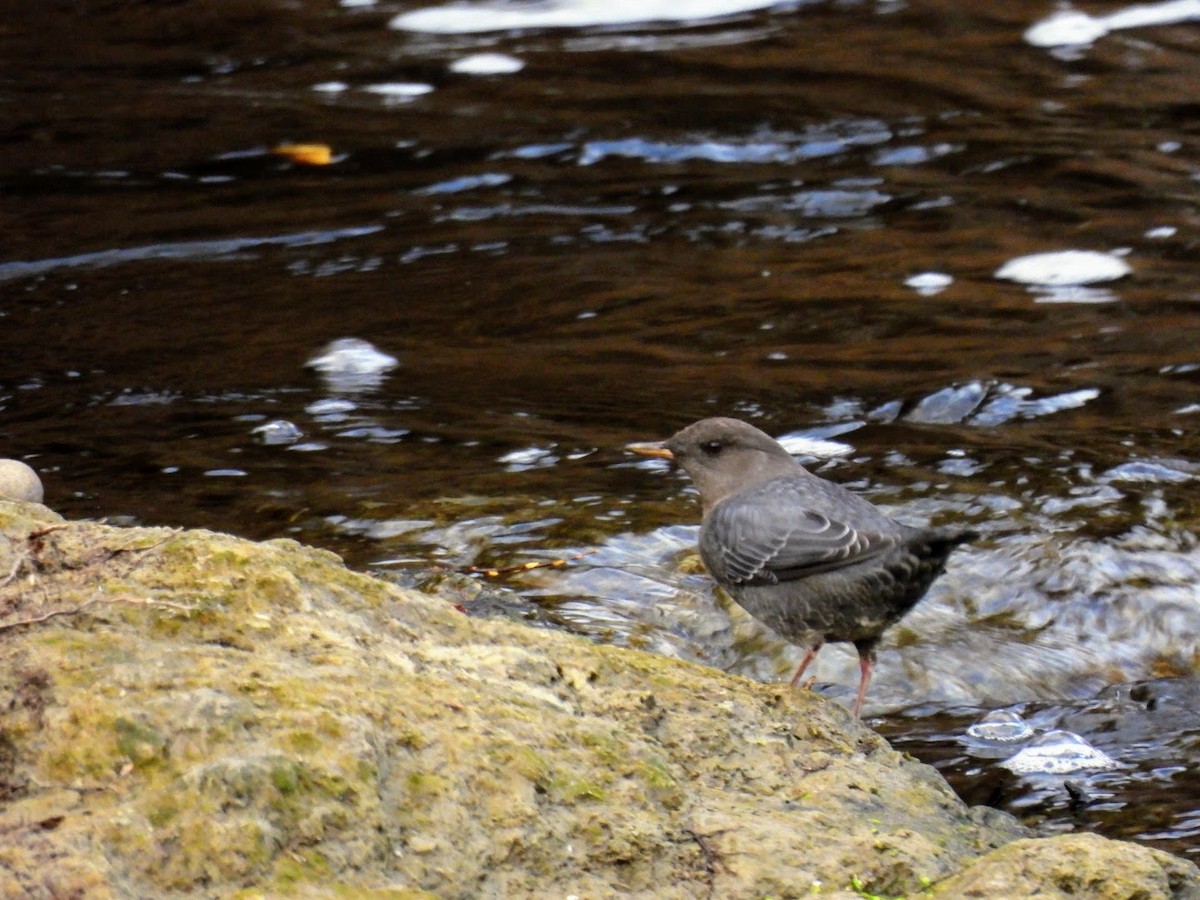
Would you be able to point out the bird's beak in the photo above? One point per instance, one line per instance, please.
(655, 448)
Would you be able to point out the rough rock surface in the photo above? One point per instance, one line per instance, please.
(191, 713)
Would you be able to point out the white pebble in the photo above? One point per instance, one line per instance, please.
(19, 482)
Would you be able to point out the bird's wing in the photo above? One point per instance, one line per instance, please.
(773, 535)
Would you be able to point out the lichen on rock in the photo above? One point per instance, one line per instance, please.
(191, 713)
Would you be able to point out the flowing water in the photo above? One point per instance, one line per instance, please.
(790, 213)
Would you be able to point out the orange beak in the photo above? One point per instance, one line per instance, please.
(655, 449)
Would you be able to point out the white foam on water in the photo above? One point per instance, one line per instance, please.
(1058, 753)
(802, 445)
(527, 458)
(399, 90)
(1072, 28)
(352, 356)
(1066, 28)
(278, 431)
(473, 18)
(352, 364)
(1001, 727)
(487, 64)
(929, 283)
(1064, 268)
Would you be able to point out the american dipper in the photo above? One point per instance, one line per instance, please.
(804, 556)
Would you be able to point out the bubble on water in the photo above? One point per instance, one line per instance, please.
(487, 64)
(527, 458)
(471, 18)
(352, 356)
(929, 283)
(278, 431)
(1066, 268)
(1071, 28)
(399, 91)
(799, 444)
(1001, 727)
(1066, 28)
(352, 364)
(1058, 753)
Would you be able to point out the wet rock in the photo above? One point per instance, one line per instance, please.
(19, 482)
(1072, 866)
(190, 713)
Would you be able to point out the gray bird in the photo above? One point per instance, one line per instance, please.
(804, 556)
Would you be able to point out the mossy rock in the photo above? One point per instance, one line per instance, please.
(194, 714)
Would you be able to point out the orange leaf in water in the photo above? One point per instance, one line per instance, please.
(306, 154)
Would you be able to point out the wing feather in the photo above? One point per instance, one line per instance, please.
(772, 534)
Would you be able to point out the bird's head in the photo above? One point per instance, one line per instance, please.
(722, 456)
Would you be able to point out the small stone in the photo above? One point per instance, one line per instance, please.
(422, 844)
(19, 482)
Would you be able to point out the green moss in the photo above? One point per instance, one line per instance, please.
(663, 785)
(655, 773)
(330, 726)
(296, 869)
(366, 771)
(285, 776)
(85, 749)
(856, 885)
(164, 812)
(570, 790)
(525, 761)
(302, 741)
(609, 751)
(426, 784)
(138, 742)
(241, 849)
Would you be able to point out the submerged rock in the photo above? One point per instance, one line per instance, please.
(191, 713)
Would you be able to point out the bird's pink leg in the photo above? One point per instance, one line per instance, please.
(865, 665)
(809, 655)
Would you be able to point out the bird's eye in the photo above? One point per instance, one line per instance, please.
(712, 448)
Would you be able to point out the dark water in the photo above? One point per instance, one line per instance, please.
(647, 224)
